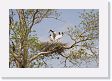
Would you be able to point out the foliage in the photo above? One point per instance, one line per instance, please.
(85, 37)
(21, 22)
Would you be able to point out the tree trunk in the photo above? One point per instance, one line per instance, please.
(23, 38)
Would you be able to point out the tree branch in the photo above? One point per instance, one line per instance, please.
(76, 43)
(33, 19)
(56, 19)
(15, 57)
(37, 55)
(54, 50)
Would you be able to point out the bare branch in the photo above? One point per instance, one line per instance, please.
(37, 55)
(56, 19)
(16, 57)
(76, 43)
(33, 20)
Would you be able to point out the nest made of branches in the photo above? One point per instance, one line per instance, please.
(55, 47)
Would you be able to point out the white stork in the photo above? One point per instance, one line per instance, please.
(59, 36)
(54, 36)
(51, 37)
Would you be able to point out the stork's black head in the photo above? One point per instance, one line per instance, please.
(59, 33)
(51, 31)
(62, 33)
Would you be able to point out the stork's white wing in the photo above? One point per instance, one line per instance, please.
(58, 37)
(51, 38)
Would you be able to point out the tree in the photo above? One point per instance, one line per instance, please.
(27, 51)
(86, 38)
(20, 29)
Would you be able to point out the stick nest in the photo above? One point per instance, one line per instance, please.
(55, 47)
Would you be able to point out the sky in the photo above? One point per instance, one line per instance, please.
(69, 18)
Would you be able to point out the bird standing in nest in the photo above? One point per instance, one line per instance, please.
(59, 36)
(55, 37)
